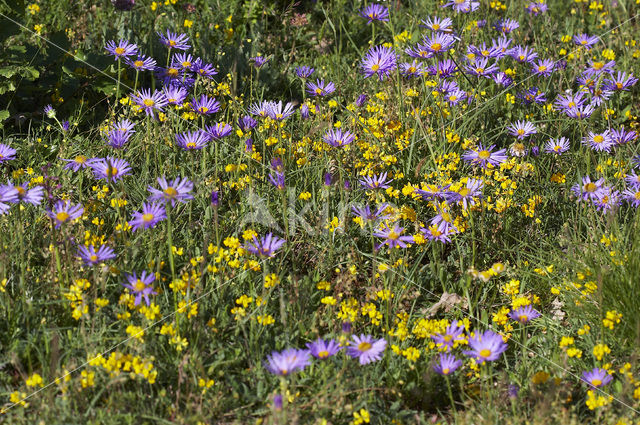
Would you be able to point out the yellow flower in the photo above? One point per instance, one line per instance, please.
(188, 23)
(34, 380)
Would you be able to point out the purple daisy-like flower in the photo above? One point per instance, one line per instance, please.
(175, 40)
(277, 179)
(376, 181)
(468, 193)
(543, 67)
(171, 191)
(588, 190)
(438, 42)
(537, 7)
(462, 6)
(524, 314)
(379, 61)
(580, 112)
(80, 161)
(620, 82)
(596, 377)
(622, 137)
(570, 100)
(484, 51)
(632, 195)
(8, 195)
(522, 129)
(182, 60)
(174, 95)
(260, 109)
(7, 153)
(451, 335)
(219, 130)
(204, 69)
(366, 349)
(438, 25)
(481, 68)
(607, 198)
(437, 232)
(64, 211)
(375, 12)
(366, 214)
(485, 157)
(91, 257)
(393, 237)
(599, 142)
(321, 349)
(502, 79)
(192, 140)
(141, 286)
(287, 361)
(31, 196)
(532, 95)
(141, 63)
(585, 40)
(557, 146)
(487, 346)
(266, 246)
(443, 69)
(447, 364)
(246, 123)
(150, 102)
(598, 68)
(110, 169)
(320, 88)
(205, 105)
(117, 139)
(338, 138)
(506, 26)
(304, 71)
(524, 54)
(633, 179)
(152, 214)
(276, 112)
(259, 61)
(122, 49)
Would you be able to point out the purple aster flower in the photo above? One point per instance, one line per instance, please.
(607, 198)
(91, 257)
(321, 349)
(338, 138)
(557, 146)
(366, 214)
(328, 179)
(586, 41)
(361, 100)
(570, 100)
(600, 96)
(173, 76)
(110, 169)
(175, 40)
(378, 61)
(150, 102)
(247, 123)
(532, 95)
(192, 140)
(260, 109)
(288, 361)
(580, 112)
(438, 25)
(467, 193)
(366, 349)
(502, 79)
(276, 112)
(632, 195)
(484, 51)
(447, 364)
(117, 139)
(8, 195)
(437, 232)
(172, 190)
(485, 156)
(304, 112)
(152, 214)
(419, 51)
(599, 142)
(597, 377)
(444, 220)
(259, 61)
(304, 71)
(622, 137)
(486, 347)
(455, 96)
(597, 68)
(205, 105)
(174, 95)
(588, 190)
(122, 49)
(543, 67)
(319, 88)
(393, 237)
(376, 181)
(633, 179)
(31, 196)
(620, 82)
(124, 126)
(219, 130)
(375, 12)
(277, 179)
(443, 69)
(141, 63)
(80, 161)
(65, 125)
(523, 54)
(451, 335)
(141, 286)
(64, 212)
(462, 6)
(49, 111)
(537, 7)
(524, 314)
(501, 46)
(522, 129)
(506, 26)
(438, 42)
(266, 246)
(215, 198)
(248, 145)
(182, 60)
(6, 153)
(481, 68)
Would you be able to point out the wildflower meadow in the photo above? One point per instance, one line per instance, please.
(319, 212)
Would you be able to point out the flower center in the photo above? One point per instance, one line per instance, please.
(139, 286)
(364, 346)
(590, 187)
(464, 191)
(523, 318)
(598, 139)
(393, 235)
(186, 64)
(485, 352)
(596, 382)
(318, 91)
(445, 371)
(203, 109)
(149, 103)
(172, 72)
(480, 70)
(598, 65)
(21, 191)
(637, 196)
(80, 159)
(619, 85)
(147, 217)
(375, 67)
(323, 354)
(520, 131)
(542, 68)
(436, 46)
(191, 145)
(484, 154)
(62, 216)
(447, 338)
(172, 43)
(119, 50)
(93, 257)
(170, 192)
(138, 63)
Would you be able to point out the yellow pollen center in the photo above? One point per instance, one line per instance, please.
(598, 65)
(596, 382)
(138, 63)
(485, 352)
(619, 85)
(484, 154)
(139, 286)
(393, 235)
(375, 67)
(590, 187)
(62, 216)
(203, 109)
(520, 131)
(172, 72)
(364, 346)
(464, 191)
(598, 139)
(521, 57)
(637, 196)
(147, 217)
(318, 91)
(170, 192)
(20, 190)
(542, 68)
(119, 50)
(191, 145)
(149, 103)
(436, 46)
(436, 27)
(172, 43)
(94, 257)
(523, 318)
(186, 64)
(80, 159)
(445, 371)
(480, 70)
(447, 338)
(323, 354)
